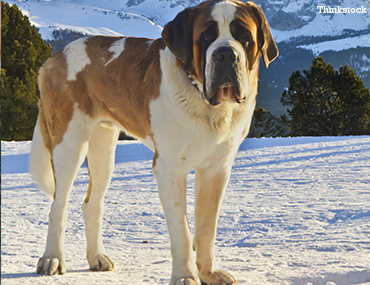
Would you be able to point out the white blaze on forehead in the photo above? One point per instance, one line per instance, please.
(76, 57)
(116, 48)
(224, 14)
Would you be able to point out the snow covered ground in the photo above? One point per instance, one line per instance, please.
(297, 211)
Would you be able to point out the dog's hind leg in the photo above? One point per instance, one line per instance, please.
(100, 160)
(67, 158)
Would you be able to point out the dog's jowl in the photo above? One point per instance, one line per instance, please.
(189, 96)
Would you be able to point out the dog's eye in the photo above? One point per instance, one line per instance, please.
(209, 35)
(206, 36)
(244, 39)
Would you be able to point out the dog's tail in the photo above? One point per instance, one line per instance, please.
(40, 163)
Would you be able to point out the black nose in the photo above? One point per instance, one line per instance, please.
(224, 54)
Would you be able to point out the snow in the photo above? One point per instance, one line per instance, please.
(296, 211)
(294, 6)
(324, 25)
(93, 18)
(338, 45)
(327, 24)
(146, 19)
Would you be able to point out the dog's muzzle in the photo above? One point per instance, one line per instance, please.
(225, 81)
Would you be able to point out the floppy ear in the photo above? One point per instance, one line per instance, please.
(267, 43)
(178, 36)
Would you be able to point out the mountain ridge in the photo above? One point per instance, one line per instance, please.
(287, 18)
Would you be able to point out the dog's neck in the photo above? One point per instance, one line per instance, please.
(195, 84)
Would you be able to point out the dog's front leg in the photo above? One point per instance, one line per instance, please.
(171, 182)
(210, 185)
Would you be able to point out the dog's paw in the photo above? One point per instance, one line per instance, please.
(187, 281)
(50, 266)
(101, 262)
(217, 277)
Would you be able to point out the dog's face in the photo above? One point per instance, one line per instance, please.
(219, 44)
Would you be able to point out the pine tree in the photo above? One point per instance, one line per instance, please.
(271, 125)
(313, 100)
(327, 102)
(23, 53)
(355, 102)
(63, 38)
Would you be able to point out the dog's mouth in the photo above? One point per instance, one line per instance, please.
(226, 90)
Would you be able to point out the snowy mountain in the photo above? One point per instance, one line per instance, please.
(339, 30)
(287, 18)
(296, 212)
(306, 18)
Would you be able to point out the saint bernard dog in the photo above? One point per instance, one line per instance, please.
(189, 96)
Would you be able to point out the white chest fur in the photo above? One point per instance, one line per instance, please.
(187, 129)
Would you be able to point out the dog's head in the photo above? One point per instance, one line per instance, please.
(219, 43)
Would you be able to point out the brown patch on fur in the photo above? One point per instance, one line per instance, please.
(156, 155)
(247, 18)
(135, 78)
(201, 23)
(56, 109)
(98, 47)
(123, 89)
(120, 91)
(88, 194)
(265, 42)
(44, 129)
